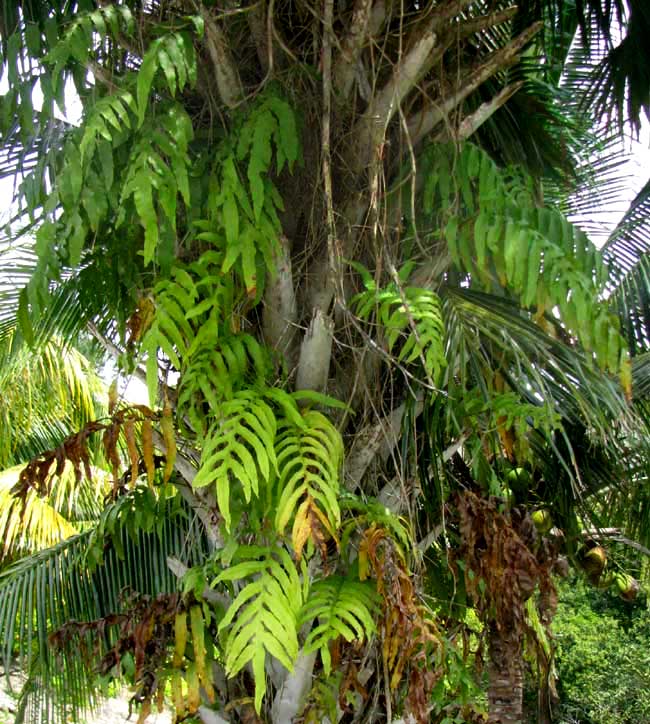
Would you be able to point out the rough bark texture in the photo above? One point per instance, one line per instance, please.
(505, 670)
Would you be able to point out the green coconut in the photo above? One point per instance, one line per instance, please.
(542, 520)
(627, 585)
(519, 480)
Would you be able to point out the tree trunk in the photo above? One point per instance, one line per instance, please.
(505, 669)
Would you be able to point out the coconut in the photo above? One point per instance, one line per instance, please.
(542, 520)
(627, 585)
(519, 480)
(594, 560)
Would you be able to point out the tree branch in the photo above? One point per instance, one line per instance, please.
(280, 310)
(419, 59)
(315, 354)
(290, 697)
(371, 127)
(351, 47)
(470, 124)
(615, 535)
(423, 122)
(375, 440)
(225, 70)
(257, 23)
(473, 25)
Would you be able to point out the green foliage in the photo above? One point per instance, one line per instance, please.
(243, 215)
(239, 446)
(84, 33)
(41, 593)
(174, 55)
(216, 373)
(343, 607)
(408, 315)
(263, 618)
(602, 658)
(498, 233)
(309, 459)
(156, 176)
(158, 219)
(58, 394)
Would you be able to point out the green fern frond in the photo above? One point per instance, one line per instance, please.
(216, 372)
(174, 55)
(344, 608)
(238, 447)
(409, 315)
(190, 308)
(496, 233)
(244, 216)
(157, 175)
(107, 119)
(263, 618)
(309, 460)
(84, 33)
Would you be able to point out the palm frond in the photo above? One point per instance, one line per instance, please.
(35, 523)
(42, 592)
(630, 240)
(47, 392)
(543, 367)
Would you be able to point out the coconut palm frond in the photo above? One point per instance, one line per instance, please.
(621, 82)
(42, 592)
(541, 367)
(34, 523)
(30, 526)
(630, 240)
(46, 394)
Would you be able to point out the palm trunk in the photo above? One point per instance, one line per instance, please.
(505, 670)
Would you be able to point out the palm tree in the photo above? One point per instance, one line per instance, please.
(275, 214)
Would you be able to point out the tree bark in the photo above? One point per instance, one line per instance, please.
(505, 671)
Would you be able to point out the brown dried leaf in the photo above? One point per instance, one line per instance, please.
(193, 691)
(147, 449)
(112, 396)
(169, 436)
(134, 457)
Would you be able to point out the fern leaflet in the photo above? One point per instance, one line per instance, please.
(239, 446)
(213, 374)
(343, 607)
(309, 460)
(263, 618)
(411, 315)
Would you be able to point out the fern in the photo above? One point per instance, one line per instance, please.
(496, 232)
(108, 119)
(174, 55)
(263, 618)
(84, 32)
(238, 447)
(409, 315)
(309, 460)
(156, 176)
(243, 218)
(213, 374)
(344, 608)
(271, 121)
(190, 308)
